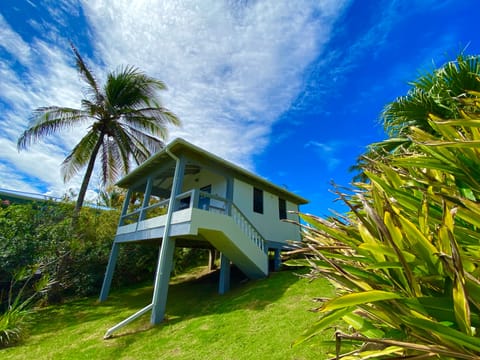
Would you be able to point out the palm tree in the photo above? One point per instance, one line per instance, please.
(438, 93)
(126, 120)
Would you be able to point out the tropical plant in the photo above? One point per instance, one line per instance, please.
(126, 122)
(17, 315)
(436, 93)
(111, 197)
(405, 258)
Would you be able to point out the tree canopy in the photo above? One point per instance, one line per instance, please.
(126, 123)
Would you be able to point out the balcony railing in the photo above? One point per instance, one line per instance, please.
(199, 200)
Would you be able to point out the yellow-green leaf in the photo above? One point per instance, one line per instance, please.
(359, 298)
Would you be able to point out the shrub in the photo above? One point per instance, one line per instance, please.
(17, 315)
(74, 257)
(405, 258)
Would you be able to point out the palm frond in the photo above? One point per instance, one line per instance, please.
(80, 155)
(87, 75)
(49, 120)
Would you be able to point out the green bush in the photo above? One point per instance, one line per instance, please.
(74, 257)
(42, 234)
(19, 300)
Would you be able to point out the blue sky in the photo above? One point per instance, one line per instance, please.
(291, 90)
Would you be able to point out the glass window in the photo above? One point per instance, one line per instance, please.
(204, 201)
(258, 200)
(282, 209)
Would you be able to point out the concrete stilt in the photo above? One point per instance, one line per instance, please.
(107, 280)
(224, 283)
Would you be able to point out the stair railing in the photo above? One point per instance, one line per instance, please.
(247, 227)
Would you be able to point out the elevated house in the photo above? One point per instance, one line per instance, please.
(192, 198)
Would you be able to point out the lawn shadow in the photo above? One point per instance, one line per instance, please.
(188, 297)
(198, 296)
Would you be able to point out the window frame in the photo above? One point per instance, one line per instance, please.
(282, 209)
(257, 200)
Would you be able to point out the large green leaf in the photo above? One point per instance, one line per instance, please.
(445, 335)
(363, 325)
(358, 298)
(319, 326)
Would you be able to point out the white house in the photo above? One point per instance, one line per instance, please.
(192, 198)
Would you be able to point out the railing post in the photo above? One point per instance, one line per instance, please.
(194, 200)
(247, 228)
(146, 199)
(125, 207)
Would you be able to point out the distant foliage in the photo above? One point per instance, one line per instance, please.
(75, 258)
(405, 259)
(41, 234)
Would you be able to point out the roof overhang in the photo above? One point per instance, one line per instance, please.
(179, 147)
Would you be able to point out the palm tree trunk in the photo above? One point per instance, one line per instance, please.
(86, 178)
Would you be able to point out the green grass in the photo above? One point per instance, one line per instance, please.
(255, 320)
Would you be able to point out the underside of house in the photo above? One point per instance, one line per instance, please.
(187, 197)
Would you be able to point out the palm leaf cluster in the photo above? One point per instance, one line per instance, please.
(405, 259)
(125, 119)
(437, 93)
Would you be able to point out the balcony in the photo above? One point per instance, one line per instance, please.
(193, 210)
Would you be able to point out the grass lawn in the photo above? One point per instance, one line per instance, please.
(255, 320)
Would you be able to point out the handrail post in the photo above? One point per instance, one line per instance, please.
(146, 199)
(125, 207)
(194, 200)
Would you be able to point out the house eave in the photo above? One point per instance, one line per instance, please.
(180, 147)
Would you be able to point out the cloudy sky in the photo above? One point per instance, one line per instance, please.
(291, 90)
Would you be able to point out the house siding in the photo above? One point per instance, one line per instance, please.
(268, 223)
(205, 178)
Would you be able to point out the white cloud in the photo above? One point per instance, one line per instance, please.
(232, 68)
(326, 153)
(13, 43)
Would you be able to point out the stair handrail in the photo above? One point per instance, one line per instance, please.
(247, 227)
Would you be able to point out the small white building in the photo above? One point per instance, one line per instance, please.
(189, 197)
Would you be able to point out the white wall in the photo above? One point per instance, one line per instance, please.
(268, 223)
(205, 178)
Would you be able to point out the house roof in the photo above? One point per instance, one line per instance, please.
(180, 146)
(24, 197)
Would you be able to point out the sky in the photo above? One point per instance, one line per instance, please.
(290, 90)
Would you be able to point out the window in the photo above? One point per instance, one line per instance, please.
(282, 209)
(204, 201)
(258, 200)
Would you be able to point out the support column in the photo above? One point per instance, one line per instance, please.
(165, 258)
(224, 283)
(107, 280)
(277, 260)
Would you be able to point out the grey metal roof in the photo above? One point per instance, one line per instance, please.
(180, 146)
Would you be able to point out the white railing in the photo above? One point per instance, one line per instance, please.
(203, 201)
(144, 213)
(247, 227)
